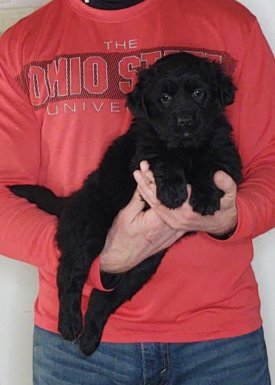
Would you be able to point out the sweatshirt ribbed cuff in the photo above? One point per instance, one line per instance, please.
(245, 225)
(101, 280)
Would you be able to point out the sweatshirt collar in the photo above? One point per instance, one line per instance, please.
(119, 15)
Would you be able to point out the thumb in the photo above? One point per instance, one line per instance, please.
(225, 183)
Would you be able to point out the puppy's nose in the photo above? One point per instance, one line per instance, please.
(185, 120)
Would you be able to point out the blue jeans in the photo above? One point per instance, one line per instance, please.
(231, 361)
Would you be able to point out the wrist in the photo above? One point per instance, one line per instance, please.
(225, 232)
(110, 265)
(224, 235)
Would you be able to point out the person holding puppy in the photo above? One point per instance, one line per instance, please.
(64, 73)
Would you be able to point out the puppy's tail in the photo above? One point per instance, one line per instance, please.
(44, 198)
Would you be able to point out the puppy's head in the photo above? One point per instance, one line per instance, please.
(180, 96)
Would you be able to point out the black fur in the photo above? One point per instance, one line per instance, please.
(180, 128)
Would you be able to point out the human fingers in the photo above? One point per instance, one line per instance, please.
(178, 218)
(146, 172)
(144, 166)
(134, 207)
(146, 189)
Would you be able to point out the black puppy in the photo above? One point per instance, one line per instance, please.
(181, 130)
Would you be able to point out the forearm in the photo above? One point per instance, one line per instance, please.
(27, 233)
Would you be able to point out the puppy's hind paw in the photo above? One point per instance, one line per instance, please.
(88, 343)
(70, 327)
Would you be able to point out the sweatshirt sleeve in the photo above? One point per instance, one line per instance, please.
(253, 119)
(103, 281)
(26, 233)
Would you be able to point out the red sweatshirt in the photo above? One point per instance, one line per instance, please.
(64, 72)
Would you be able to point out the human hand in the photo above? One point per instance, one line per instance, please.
(184, 218)
(134, 236)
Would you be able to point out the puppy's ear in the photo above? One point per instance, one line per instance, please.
(226, 88)
(136, 98)
(224, 85)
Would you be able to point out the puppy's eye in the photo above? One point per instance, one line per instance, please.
(165, 99)
(198, 94)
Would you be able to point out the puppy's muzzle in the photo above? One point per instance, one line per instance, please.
(185, 125)
(186, 120)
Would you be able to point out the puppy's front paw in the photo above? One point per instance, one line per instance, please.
(205, 200)
(171, 194)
